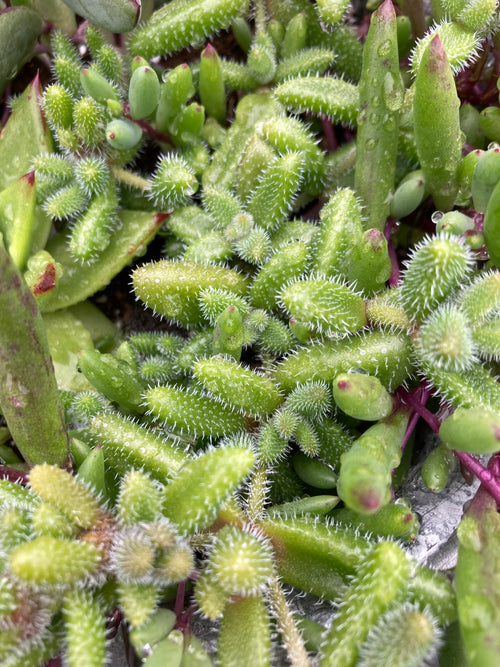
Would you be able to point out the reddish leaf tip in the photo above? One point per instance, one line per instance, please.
(29, 177)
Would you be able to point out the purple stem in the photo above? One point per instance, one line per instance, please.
(79, 36)
(489, 478)
(54, 662)
(409, 429)
(494, 464)
(331, 139)
(418, 404)
(184, 623)
(179, 600)
(421, 394)
(13, 475)
(485, 476)
(146, 127)
(395, 276)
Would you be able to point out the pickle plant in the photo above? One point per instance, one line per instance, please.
(327, 204)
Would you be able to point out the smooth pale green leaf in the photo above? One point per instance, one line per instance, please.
(380, 98)
(80, 281)
(19, 31)
(437, 124)
(113, 15)
(42, 226)
(103, 332)
(54, 12)
(24, 136)
(66, 336)
(17, 209)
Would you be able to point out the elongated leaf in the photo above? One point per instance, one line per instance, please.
(54, 12)
(19, 31)
(477, 581)
(28, 392)
(80, 281)
(114, 15)
(24, 136)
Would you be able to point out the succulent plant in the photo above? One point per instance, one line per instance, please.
(327, 208)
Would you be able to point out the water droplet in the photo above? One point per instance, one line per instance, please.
(384, 48)
(392, 92)
(493, 145)
(373, 118)
(436, 216)
(362, 117)
(389, 124)
(371, 144)
(375, 101)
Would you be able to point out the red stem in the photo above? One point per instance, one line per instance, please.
(146, 127)
(13, 475)
(488, 478)
(421, 393)
(485, 476)
(409, 429)
(417, 400)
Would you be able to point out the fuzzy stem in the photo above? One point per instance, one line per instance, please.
(128, 178)
(257, 493)
(291, 636)
(260, 15)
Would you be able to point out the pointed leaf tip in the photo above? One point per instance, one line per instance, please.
(29, 177)
(436, 49)
(386, 10)
(209, 51)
